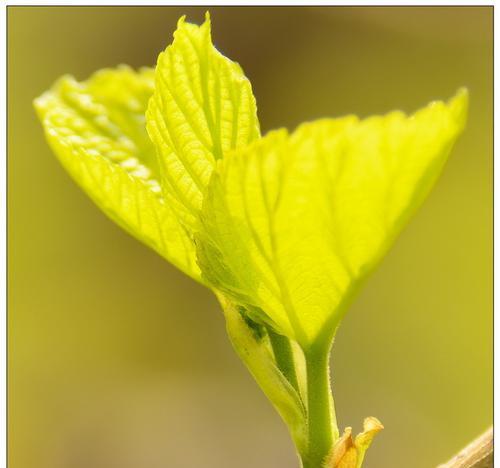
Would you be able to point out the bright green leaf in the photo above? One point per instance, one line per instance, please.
(202, 107)
(292, 223)
(97, 129)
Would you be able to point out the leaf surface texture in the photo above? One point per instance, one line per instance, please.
(97, 129)
(202, 108)
(292, 223)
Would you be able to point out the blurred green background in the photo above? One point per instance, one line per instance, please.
(118, 360)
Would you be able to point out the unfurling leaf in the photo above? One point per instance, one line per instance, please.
(202, 108)
(97, 129)
(292, 223)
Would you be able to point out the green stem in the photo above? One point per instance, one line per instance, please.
(321, 423)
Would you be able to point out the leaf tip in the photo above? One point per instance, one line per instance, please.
(39, 102)
(207, 25)
(181, 21)
(459, 105)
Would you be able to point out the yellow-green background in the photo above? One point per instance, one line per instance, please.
(118, 360)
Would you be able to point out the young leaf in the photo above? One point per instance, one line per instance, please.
(97, 129)
(291, 224)
(202, 107)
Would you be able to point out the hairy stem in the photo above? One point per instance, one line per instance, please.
(321, 421)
